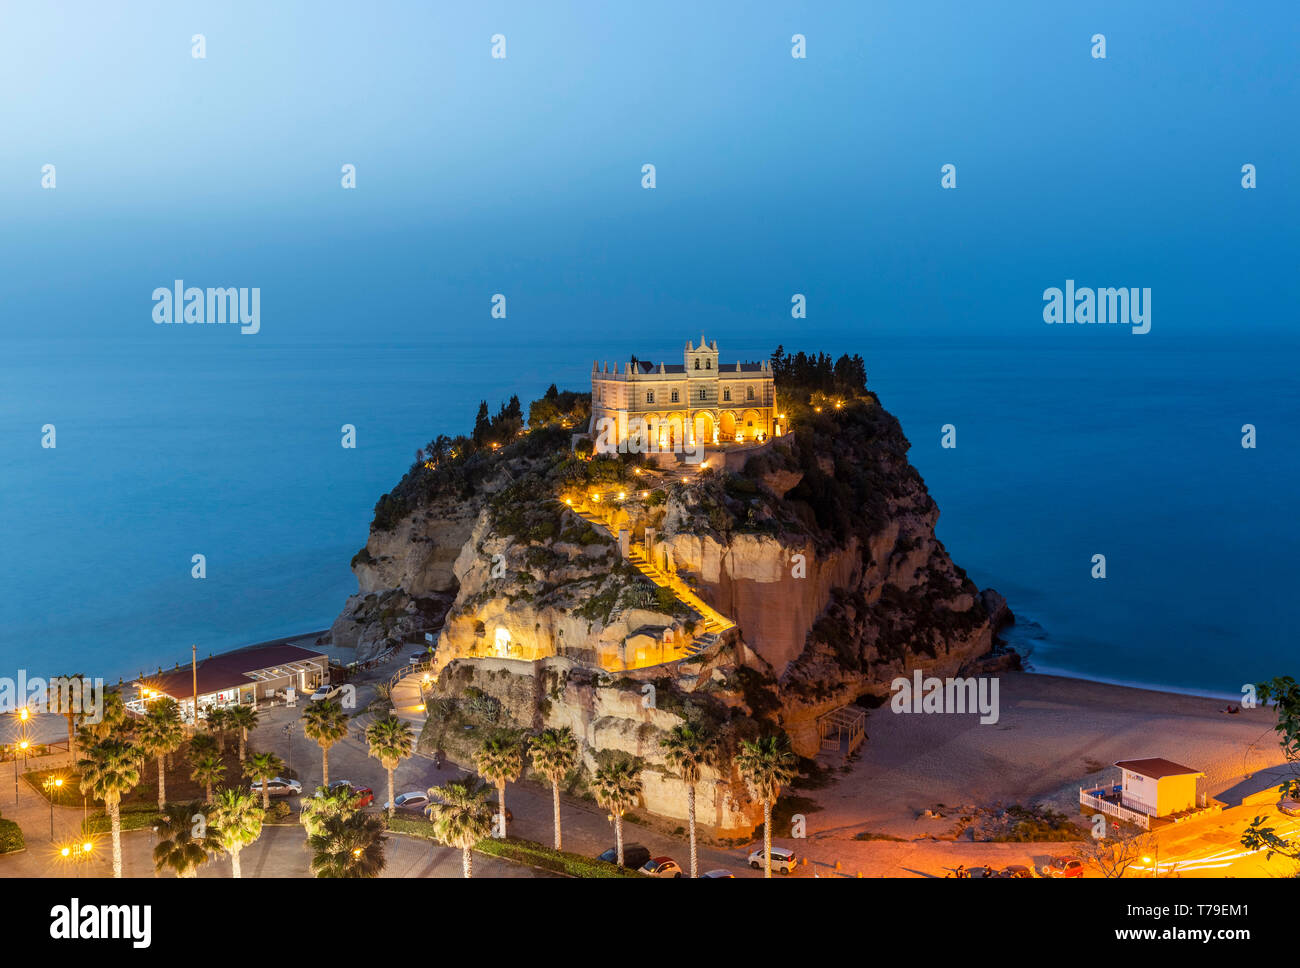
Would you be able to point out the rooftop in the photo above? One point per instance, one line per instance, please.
(1157, 768)
(233, 669)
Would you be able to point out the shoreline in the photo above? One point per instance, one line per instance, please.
(1048, 672)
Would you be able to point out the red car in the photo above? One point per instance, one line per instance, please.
(365, 796)
(1064, 867)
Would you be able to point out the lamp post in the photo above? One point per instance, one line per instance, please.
(288, 731)
(1155, 870)
(53, 784)
(77, 853)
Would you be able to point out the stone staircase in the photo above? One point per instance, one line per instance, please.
(715, 623)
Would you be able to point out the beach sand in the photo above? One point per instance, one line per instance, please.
(1054, 735)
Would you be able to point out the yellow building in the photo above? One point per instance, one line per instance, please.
(697, 401)
(1158, 787)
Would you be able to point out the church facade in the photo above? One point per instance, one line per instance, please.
(699, 401)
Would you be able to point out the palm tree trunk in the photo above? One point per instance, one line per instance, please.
(266, 793)
(467, 862)
(392, 803)
(72, 735)
(501, 806)
(243, 744)
(162, 783)
(234, 862)
(767, 838)
(325, 765)
(690, 822)
(618, 837)
(555, 796)
(209, 800)
(115, 825)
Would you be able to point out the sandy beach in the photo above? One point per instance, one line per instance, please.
(1054, 735)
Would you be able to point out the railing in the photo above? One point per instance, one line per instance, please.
(1114, 809)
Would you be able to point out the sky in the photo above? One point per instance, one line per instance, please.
(522, 175)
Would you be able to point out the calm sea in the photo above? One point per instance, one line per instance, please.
(230, 448)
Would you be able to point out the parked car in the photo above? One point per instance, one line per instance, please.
(1015, 870)
(660, 867)
(326, 691)
(278, 787)
(783, 860)
(716, 874)
(365, 795)
(413, 802)
(1063, 867)
(634, 856)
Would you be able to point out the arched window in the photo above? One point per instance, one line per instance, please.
(697, 363)
(674, 396)
(726, 394)
(708, 364)
(650, 396)
(749, 393)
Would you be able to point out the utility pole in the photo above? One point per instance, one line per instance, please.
(194, 669)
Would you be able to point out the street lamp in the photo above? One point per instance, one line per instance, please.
(52, 784)
(1155, 870)
(288, 731)
(19, 747)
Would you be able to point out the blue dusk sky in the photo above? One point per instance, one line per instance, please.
(523, 176)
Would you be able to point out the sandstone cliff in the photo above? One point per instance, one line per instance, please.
(822, 551)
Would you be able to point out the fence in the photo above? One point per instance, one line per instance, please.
(1113, 809)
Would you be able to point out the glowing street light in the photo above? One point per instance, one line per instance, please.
(52, 784)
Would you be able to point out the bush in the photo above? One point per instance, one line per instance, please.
(135, 816)
(11, 837)
(280, 813)
(522, 852)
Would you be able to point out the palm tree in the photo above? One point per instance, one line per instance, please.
(218, 720)
(201, 745)
(208, 770)
(243, 719)
(390, 742)
(348, 847)
(688, 750)
(617, 788)
(161, 733)
(326, 723)
(325, 805)
(238, 820)
(265, 767)
(113, 722)
(461, 816)
(500, 760)
(109, 772)
(767, 765)
(555, 754)
(186, 840)
(73, 704)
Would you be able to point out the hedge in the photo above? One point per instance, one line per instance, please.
(135, 817)
(11, 837)
(522, 852)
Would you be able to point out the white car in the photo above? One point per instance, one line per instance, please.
(783, 860)
(326, 692)
(279, 787)
(413, 802)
